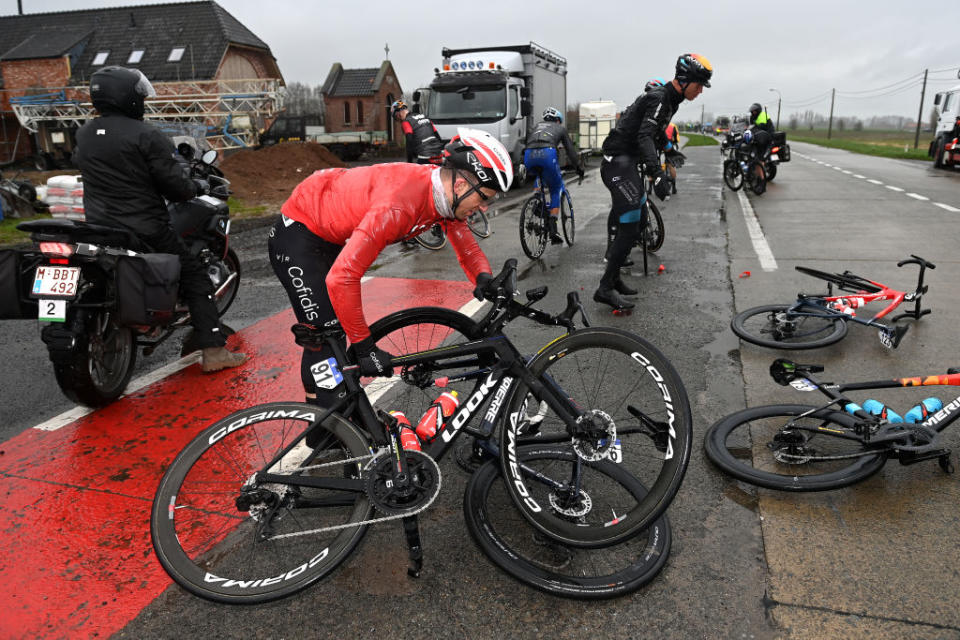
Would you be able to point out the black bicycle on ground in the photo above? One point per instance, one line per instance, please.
(576, 454)
(535, 219)
(793, 447)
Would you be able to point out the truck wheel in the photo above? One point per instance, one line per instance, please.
(938, 153)
(43, 162)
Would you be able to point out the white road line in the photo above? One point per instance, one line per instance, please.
(893, 188)
(838, 169)
(760, 246)
(857, 175)
(917, 196)
(947, 207)
(848, 172)
(872, 181)
(826, 165)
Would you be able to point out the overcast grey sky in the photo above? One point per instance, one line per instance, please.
(873, 53)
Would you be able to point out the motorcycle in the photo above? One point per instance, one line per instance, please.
(104, 293)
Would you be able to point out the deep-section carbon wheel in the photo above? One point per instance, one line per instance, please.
(631, 410)
(505, 536)
(775, 448)
(567, 220)
(223, 534)
(781, 326)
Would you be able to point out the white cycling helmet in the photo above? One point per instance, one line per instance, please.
(479, 153)
(552, 114)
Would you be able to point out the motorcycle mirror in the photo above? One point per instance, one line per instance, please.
(209, 156)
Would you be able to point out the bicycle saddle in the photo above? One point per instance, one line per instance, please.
(315, 338)
(783, 371)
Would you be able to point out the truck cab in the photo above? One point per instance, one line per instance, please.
(501, 91)
(944, 149)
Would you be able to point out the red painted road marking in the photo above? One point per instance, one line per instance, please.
(75, 553)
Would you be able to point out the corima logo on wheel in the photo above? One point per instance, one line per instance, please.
(266, 582)
(239, 423)
(658, 378)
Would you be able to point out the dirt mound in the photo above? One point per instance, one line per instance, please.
(268, 175)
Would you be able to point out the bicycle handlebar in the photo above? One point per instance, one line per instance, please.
(502, 289)
(914, 259)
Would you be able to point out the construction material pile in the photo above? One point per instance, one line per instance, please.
(267, 176)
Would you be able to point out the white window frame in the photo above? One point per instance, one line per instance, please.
(100, 59)
(176, 54)
(135, 56)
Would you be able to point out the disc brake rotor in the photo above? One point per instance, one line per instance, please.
(600, 437)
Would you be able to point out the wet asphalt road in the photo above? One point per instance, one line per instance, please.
(744, 563)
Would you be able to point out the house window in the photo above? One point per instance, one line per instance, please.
(176, 54)
(359, 111)
(346, 112)
(135, 56)
(100, 58)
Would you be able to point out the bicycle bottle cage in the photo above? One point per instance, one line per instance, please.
(315, 338)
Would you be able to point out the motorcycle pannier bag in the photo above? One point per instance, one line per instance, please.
(12, 289)
(147, 287)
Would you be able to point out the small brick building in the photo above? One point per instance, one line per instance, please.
(178, 46)
(360, 99)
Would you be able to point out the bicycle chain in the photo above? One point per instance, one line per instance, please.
(372, 457)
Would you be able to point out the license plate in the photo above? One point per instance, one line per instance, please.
(51, 281)
(774, 157)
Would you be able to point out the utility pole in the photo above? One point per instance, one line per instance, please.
(701, 118)
(923, 92)
(779, 100)
(833, 93)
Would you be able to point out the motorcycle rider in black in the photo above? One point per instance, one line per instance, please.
(128, 168)
(422, 140)
(762, 130)
(634, 141)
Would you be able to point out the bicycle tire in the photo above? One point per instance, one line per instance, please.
(641, 382)
(533, 227)
(479, 224)
(732, 175)
(411, 330)
(655, 230)
(509, 541)
(849, 281)
(197, 556)
(786, 331)
(741, 446)
(567, 220)
(433, 238)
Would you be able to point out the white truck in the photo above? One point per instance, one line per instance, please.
(501, 90)
(945, 148)
(597, 120)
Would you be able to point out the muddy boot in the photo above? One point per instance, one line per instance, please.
(612, 298)
(217, 358)
(554, 234)
(623, 289)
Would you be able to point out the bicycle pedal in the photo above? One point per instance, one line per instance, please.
(907, 458)
(945, 464)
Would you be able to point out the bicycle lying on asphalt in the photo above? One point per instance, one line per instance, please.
(793, 447)
(819, 320)
(535, 219)
(578, 453)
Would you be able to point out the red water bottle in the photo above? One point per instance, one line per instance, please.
(408, 438)
(441, 409)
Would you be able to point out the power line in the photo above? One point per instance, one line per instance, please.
(881, 95)
(914, 78)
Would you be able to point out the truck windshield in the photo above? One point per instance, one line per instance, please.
(468, 104)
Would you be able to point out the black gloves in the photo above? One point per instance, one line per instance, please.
(661, 185)
(675, 158)
(203, 187)
(373, 360)
(580, 172)
(483, 280)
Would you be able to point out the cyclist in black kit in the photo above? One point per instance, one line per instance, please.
(634, 141)
(423, 141)
(541, 155)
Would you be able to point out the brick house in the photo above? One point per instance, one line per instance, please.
(360, 99)
(183, 48)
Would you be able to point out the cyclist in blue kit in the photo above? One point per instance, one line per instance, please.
(541, 156)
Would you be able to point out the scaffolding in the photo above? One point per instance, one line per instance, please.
(233, 112)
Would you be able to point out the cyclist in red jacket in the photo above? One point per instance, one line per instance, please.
(337, 221)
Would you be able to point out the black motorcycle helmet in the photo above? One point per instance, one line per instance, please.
(755, 110)
(120, 90)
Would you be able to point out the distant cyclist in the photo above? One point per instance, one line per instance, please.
(422, 140)
(671, 148)
(634, 141)
(541, 156)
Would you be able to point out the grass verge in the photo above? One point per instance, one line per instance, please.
(698, 140)
(885, 144)
(8, 229)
